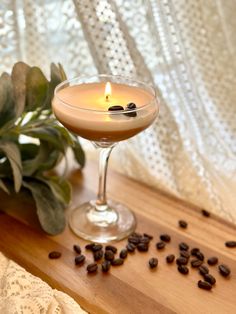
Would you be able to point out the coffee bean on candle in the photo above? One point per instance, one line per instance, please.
(230, 244)
(77, 249)
(153, 262)
(212, 260)
(165, 237)
(54, 255)
(170, 258)
(115, 108)
(92, 268)
(130, 106)
(204, 285)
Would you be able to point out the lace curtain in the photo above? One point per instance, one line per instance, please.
(186, 48)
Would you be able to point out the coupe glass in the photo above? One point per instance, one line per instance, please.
(103, 220)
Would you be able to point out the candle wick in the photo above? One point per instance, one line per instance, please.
(107, 97)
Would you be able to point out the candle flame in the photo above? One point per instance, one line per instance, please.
(108, 91)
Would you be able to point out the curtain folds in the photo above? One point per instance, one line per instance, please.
(187, 49)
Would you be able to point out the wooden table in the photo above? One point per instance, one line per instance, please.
(132, 288)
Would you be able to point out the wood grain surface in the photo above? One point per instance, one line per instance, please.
(132, 288)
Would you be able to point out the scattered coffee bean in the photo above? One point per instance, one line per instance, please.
(165, 237)
(196, 263)
(92, 268)
(230, 244)
(181, 261)
(90, 246)
(136, 235)
(204, 285)
(146, 235)
(54, 255)
(77, 249)
(79, 260)
(117, 262)
(170, 258)
(200, 256)
(97, 255)
(183, 269)
(185, 254)
(224, 270)
(131, 106)
(183, 224)
(131, 247)
(96, 247)
(212, 260)
(123, 253)
(115, 108)
(194, 251)
(106, 266)
(203, 270)
(111, 248)
(134, 240)
(145, 240)
(153, 262)
(206, 213)
(209, 278)
(109, 255)
(142, 247)
(160, 245)
(183, 246)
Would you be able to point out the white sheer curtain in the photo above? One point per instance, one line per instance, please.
(187, 49)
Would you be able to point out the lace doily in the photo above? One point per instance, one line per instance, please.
(21, 292)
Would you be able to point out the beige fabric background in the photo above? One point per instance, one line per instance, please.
(185, 48)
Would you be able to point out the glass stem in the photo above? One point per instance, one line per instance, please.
(103, 164)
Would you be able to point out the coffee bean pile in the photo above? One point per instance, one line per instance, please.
(107, 256)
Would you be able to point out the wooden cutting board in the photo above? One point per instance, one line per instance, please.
(132, 288)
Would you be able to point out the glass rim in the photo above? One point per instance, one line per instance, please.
(149, 86)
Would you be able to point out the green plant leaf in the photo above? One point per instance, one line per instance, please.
(60, 187)
(19, 74)
(37, 87)
(7, 106)
(12, 153)
(50, 210)
(79, 153)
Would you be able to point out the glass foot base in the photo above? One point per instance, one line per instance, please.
(114, 222)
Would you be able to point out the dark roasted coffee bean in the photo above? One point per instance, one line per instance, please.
(123, 253)
(97, 255)
(96, 247)
(131, 106)
(136, 235)
(77, 249)
(92, 268)
(203, 270)
(209, 278)
(90, 246)
(170, 258)
(153, 262)
(183, 246)
(196, 262)
(109, 255)
(185, 254)
(165, 237)
(131, 247)
(183, 224)
(206, 213)
(200, 256)
(204, 285)
(160, 245)
(134, 240)
(115, 108)
(79, 260)
(224, 270)
(117, 262)
(146, 235)
(230, 244)
(106, 266)
(54, 255)
(142, 247)
(181, 261)
(212, 260)
(183, 269)
(111, 248)
(145, 240)
(194, 251)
